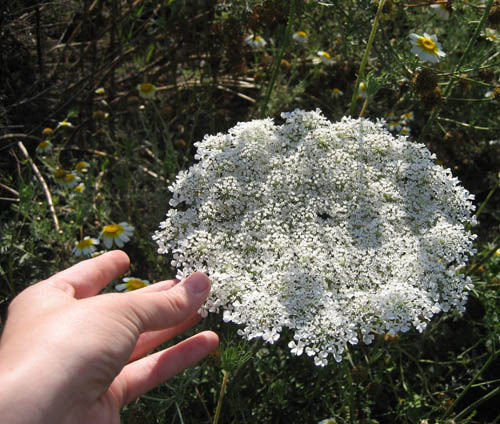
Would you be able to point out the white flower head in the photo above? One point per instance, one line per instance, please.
(323, 57)
(44, 146)
(85, 247)
(441, 10)
(131, 283)
(426, 47)
(118, 234)
(491, 34)
(254, 40)
(301, 37)
(336, 231)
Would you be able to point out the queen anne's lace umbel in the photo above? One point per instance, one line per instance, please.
(338, 231)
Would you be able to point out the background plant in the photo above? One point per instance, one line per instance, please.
(56, 57)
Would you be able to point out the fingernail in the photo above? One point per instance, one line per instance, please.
(197, 283)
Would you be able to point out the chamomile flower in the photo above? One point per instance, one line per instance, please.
(79, 188)
(70, 180)
(301, 37)
(394, 126)
(404, 130)
(146, 90)
(82, 166)
(362, 90)
(491, 35)
(59, 175)
(85, 247)
(47, 131)
(407, 116)
(426, 47)
(64, 124)
(118, 234)
(100, 90)
(328, 421)
(44, 147)
(131, 283)
(254, 40)
(323, 57)
(337, 92)
(441, 10)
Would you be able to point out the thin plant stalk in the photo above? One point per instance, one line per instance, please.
(456, 70)
(493, 356)
(221, 397)
(365, 57)
(284, 44)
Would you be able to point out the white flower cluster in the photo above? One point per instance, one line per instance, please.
(337, 231)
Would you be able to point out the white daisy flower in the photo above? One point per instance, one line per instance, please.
(426, 47)
(255, 41)
(44, 147)
(131, 283)
(85, 247)
(116, 233)
(300, 36)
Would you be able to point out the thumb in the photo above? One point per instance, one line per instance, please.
(158, 310)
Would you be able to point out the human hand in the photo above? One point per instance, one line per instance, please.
(69, 356)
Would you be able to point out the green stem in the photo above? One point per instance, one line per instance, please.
(456, 70)
(281, 53)
(365, 57)
(221, 396)
(466, 388)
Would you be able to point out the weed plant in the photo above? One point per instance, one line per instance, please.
(76, 74)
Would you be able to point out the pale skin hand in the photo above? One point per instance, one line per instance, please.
(70, 356)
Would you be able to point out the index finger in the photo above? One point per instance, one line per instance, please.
(89, 277)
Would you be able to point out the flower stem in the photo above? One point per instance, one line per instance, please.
(456, 70)
(221, 396)
(284, 43)
(365, 57)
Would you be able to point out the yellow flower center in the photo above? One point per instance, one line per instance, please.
(81, 165)
(47, 131)
(68, 178)
(79, 188)
(146, 88)
(84, 244)
(44, 144)
(113, 230)
(301, 34)
(325, 54)
(135, 284)
(425, 43)
(60, 174)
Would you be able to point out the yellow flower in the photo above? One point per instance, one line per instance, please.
(426, 47)
(44, 147)
(100, 90)
(47, 131)
(300, 36)
(85, 247)
(131, 283)
(117, 233)
(146, 90)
